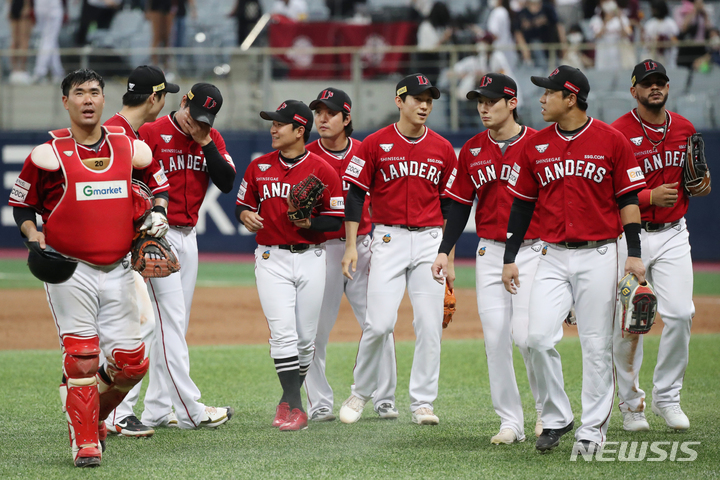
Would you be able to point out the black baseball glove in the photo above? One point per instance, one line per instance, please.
(696, 173)
(303, 197)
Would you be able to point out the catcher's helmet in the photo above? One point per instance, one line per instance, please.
(48, 265)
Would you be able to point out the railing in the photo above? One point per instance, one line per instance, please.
(259, 77)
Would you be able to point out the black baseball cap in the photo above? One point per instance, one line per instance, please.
(415, 84)
(333, 98)
(494, 85)
(204, 100)
(566, 78)
(646, 68)
(149, 79)
(291, 111)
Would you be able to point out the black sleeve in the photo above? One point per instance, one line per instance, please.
(457, 217)
(221, 172)
(445, 204)
(164, 195)
(239, 209)
(627, 199)
(521, 214)
(22, 215)
(354, 203)
(326, 223)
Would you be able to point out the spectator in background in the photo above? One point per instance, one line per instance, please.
(537, 23)
(661, 28)
(179, 28)
(712, 56)
(20, 16)
(161, 14)
(434, 31)
(49, 17)
(499, 25)
(569, 12)
(694, 20)
(293, 9)
(247, 13)
(577, 57)
(612, 31)
(98, 12)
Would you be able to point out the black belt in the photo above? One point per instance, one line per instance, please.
(297, 248)
(406, 227)
(590, 244)
(656, 227)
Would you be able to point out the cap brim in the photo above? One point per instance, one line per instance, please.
(313, 105)
(474, 94)
(172, 88)
(638, 80)
(545, 82)
(418, 89)
(200, 115)
(273, 116)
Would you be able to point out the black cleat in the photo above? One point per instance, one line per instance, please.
(132, 427)
(550, 437)
(586, 447)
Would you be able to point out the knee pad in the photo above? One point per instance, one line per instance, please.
(128, 367)
(81, 356)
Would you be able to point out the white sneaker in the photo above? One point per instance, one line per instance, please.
(352, 409)
(635, 422)
(172, 421)
(425, 416)
(673, 415)
(323, 414)
(538, 425)
(506, 436)
(216, 416)
(387, 410)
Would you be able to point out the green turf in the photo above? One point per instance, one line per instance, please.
(14, 274)
(33, 437)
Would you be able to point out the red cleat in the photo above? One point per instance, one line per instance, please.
(282, 414)
(297, 421)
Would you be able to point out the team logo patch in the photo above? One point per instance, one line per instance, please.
(475, 151)
(131, 87)
(514, 173)
(101, 190)
(636, 141)
(337, 203)
(318, 252)
(542, 148)
(228, 159)
(536, 247)
(481, 251)
(434, 234)
(353, 169)
(544, 250)
(263, 166)
(242, 190)
(386, 146)
(160, 177)
(386, 238)
(602, 250)
(166, 138)
(678, 227)
(635, 174)
(366, 242)
(266, 254)
(68, 153)
(125, 263)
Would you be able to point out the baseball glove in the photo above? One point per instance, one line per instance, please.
(153, 257)
(303, 197)
(696, 173)
(449, 306)
(639, 305)
(142, 202)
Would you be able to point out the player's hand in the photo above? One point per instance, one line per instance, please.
(665, 195)
(635, 266)
(199, 131)
(304, 223)
(156, 225)
(251, 220)
(511, 277)
(451, 274)
(440, 268)
(39, 237)
(349, 260)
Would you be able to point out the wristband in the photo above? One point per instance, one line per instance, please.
(160, 209)
(632, 236)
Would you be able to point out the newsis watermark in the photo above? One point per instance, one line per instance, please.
(637, 452)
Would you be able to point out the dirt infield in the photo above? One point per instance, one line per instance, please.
(223, 316)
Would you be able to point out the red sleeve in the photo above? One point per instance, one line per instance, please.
(26, 192)
(220, 144)
(521, 181)
(627, 174)
(462, 189)
(154, 177)
(449, 171)
(247, 193)
(332, 200)
(360, 169)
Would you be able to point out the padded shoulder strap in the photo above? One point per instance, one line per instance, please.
(61, 133)
(114, 129)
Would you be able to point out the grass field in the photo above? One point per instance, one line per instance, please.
(33, 437)
(15, 274)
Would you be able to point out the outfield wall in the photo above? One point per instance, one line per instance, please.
(218, 231)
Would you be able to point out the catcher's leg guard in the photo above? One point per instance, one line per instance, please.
(80, 400)
(121, 374)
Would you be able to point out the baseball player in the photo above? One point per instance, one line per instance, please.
(406, 167)
(290, 258)
(80, 183)
(192, 153)
(484, 166)
(658, 139)
(584, 179)
(143, 101)
(334, 123)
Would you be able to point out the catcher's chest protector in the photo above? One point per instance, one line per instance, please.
(94, 201)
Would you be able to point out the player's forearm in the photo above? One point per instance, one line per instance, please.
(521, 214)
(326, 223)
(630, 218)
(457, 217)
(645, 197)
(221, 172)
(354, 203)
(351, 229)
(23, 216)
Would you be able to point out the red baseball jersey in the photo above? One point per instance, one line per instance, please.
(483, 170)
(153, 175)
(576, 180)
(184, 164)
(338, 163)
(266, 185)
(405, 178)
(661, 163)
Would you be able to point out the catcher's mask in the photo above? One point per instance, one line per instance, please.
(48, 265)
(639, 304)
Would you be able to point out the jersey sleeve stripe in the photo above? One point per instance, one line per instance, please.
(637, 186)
(161, 188)
(355, 182)
(238, 202)
(521, 195)
(14, 203)
(459, 199)
(333, 214)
